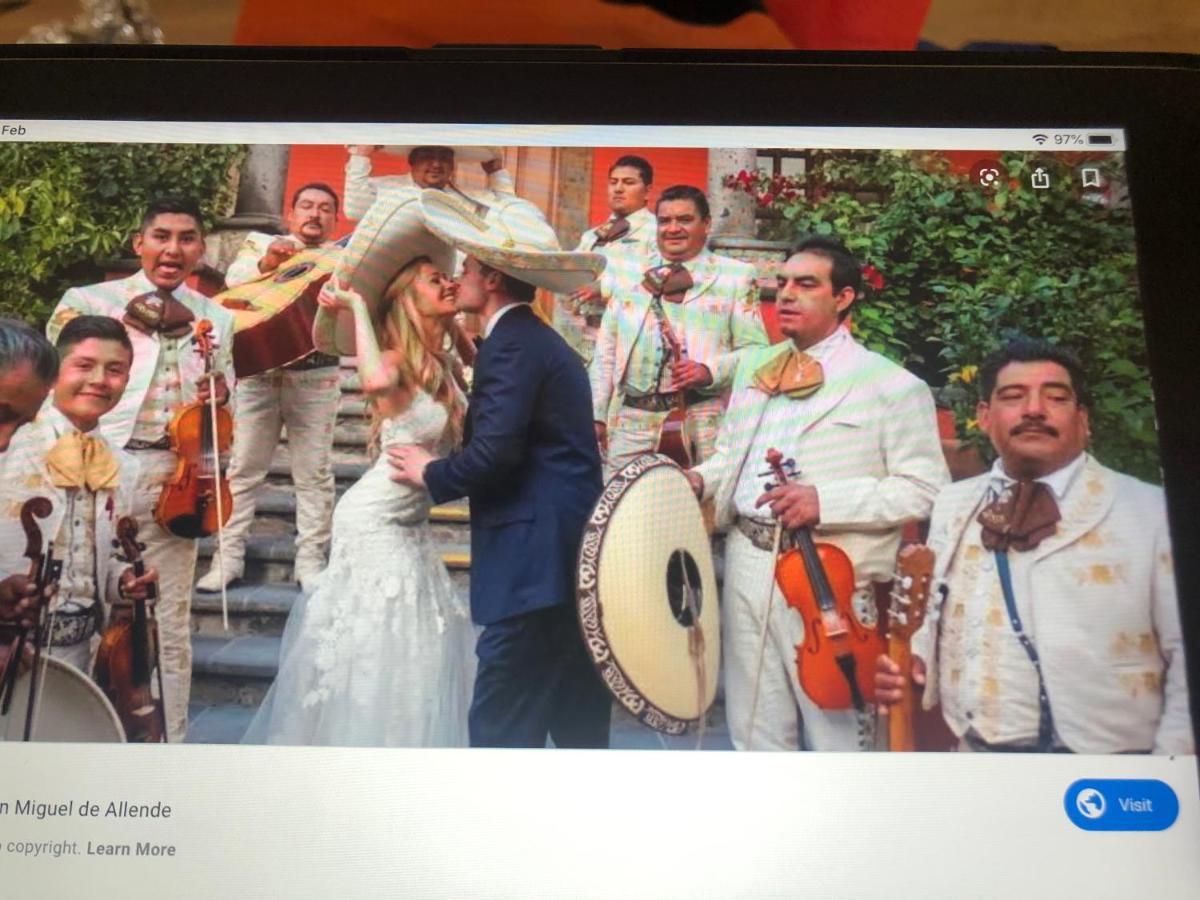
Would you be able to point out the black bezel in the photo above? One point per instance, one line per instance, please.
(1154, 98)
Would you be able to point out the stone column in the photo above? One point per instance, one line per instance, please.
(260, 202)
(732, 211)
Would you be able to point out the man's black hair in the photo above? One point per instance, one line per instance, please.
(184, 206)
(317, 186)
(645, 170)
(685, 192)
(1031, 349)
(82, 328)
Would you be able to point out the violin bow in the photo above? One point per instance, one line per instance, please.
(209, 345)
(212, 406)
(776, 542)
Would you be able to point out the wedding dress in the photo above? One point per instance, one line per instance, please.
(382, 652)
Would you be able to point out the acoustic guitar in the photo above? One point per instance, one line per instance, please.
(274, 314)
(906, 613)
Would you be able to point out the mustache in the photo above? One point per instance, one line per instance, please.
(1035, 427)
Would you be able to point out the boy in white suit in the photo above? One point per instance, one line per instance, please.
(159, 312)
(864, 436)
(63, 457)
(1056, 626)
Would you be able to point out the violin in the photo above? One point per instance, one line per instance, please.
(127, 659)
(836, 660)
(906, 613)
(44, 572)
(676, 440)
(196, 502)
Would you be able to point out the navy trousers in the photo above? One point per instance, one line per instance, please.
(535, 679)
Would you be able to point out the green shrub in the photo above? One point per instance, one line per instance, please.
(963, 268)
(63, 206)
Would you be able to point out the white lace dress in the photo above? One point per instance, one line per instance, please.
(382, 652)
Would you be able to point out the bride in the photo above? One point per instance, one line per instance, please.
(382, 652)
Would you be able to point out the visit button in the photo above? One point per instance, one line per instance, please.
(1113, 804)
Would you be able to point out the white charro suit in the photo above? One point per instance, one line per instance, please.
(867, 440)
(303, 396)
(23, 476)
(1104, 618)
(718, 321)
(173, 557)
(578, 324)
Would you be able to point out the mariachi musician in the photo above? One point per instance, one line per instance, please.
(302, 395)
(160, 313)
(864, 439)
(63, 457)
(28, 367)
(708, 302)
(631, 229)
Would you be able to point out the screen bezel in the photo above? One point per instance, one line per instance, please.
(1155, 99)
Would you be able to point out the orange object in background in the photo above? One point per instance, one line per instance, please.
(805, 24)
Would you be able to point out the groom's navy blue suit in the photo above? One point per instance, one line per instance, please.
(531, 469)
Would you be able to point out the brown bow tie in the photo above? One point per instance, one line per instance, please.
(670, 282)
(1023, 516)
(158, 311)
(611, 231)
(795, 374)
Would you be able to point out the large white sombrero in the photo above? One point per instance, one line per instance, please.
(512, 236)
(461, 154)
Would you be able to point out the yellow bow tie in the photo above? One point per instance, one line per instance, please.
(80, 460)
(795, 374)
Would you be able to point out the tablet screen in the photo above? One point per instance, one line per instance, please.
(905, 370)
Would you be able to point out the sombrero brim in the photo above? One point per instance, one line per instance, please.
(383, 243)
(461, 154)
(560, 271)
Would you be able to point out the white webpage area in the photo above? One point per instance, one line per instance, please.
(1047, 138)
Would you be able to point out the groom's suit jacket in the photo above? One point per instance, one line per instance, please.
(529, 465)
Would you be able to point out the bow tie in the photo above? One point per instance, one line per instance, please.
(158, 311)
(80, 460)
(670, 282)
(1023, 516)
(796, 375)
(611, 230)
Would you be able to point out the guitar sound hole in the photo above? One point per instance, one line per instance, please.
(682, 563)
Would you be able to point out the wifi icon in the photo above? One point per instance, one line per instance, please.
(1041, 138)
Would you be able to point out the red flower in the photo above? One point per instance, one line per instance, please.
(873, 277)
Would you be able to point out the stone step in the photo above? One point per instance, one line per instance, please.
(280, 500)
(233, 670)
(260, 609)
(346, 433)
(270, 557)
(348, 465)
(226, 723)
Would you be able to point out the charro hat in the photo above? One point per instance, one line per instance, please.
(512, 236)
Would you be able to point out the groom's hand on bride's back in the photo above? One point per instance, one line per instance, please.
(408, 464)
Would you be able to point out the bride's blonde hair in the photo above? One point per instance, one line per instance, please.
(422, 366)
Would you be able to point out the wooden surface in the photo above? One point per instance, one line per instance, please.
(1161, 25)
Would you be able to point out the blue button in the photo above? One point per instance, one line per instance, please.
(1115, 804)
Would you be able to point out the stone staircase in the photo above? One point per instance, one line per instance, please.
(233, 669)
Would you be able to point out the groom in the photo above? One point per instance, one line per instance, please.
(531, 469)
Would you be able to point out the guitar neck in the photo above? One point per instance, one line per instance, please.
(900, 715)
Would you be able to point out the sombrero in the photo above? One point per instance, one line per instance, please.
(512, 236)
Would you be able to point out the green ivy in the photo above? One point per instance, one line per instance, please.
(64, 206)
(964, 268)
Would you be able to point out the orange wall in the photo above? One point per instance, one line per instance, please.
(327, 163)
(671, 166)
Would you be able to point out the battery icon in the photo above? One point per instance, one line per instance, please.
(1102, 139)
